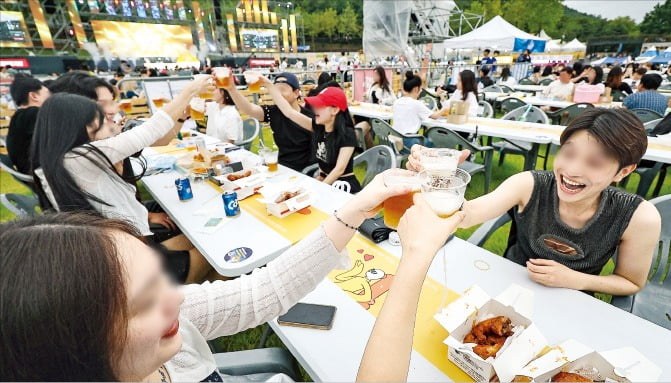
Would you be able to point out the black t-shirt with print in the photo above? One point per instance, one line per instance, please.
(293, 142)
(327, 147)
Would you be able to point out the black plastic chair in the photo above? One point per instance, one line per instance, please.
(646, 115)
(546, 82)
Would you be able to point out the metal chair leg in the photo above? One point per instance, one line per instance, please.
(267, 331)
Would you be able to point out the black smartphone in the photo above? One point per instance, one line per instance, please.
(309, 316)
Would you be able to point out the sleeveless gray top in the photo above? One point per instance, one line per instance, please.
(538, 232)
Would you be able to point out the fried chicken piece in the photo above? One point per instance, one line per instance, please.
(500, 326)
(569, 377)
(485, 350)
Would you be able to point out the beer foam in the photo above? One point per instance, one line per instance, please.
(197, 104)
(443, 203)
(251, 77)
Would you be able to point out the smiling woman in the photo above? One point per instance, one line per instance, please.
(568, 223)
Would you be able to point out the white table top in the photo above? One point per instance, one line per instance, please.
(365, 109)
(543, 101)
(242, 231)
(530, 88)
(495, 127)
(560, 314)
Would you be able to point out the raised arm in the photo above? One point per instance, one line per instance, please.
(246, 107)
(387, 354)
(228, 307)
(294, 115)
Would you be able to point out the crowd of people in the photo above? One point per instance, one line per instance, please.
(124, 295)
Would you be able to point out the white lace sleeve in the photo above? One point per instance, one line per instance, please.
(228, 307)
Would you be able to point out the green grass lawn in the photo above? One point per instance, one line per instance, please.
(497, 243)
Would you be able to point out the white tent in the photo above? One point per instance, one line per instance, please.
(574, 46)
(553, 45)
(544, 35)
(495, 34)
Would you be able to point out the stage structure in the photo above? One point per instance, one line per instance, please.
(413, 27)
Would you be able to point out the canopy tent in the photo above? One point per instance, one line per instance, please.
(662, 58)
(609, 60)
(553, 45)
(574, 46)
(386, 26)
(649, 53)
(496, 34)
(544, 35)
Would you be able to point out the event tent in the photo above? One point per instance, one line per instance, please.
(497, 33)
(553, 45)
(574, 46)
(662, 58)
(544, 35)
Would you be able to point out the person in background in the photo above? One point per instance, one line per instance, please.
(547, 73)
(525, 57)
(614, 80)
(535, 75)
(647, 96)
(332, 127)
(105, 299)
(506, 78)
(323, 81)
(223, 119)
(484, 80)
(467, 90)
(409, 112)
(562, 88)
(569, 223)
(636, 77)
(488, 61)
(592, 75)
(380, 92)
(292, 140)
(578, 68)
(495, 54)
(28, 94)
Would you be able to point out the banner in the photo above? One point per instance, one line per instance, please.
(535, 46)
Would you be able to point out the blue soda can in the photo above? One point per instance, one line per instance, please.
(183, 188)
(231, 206)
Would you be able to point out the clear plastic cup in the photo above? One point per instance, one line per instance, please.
(270, 157)
(395, 207)
(439, 161)
(446, 195)
(253, 80)
(197, 109)
(222, 77)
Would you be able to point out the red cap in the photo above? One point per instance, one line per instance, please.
(330, 96)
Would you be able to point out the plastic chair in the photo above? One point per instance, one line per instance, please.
(481, 96)
(546, 82)
(250, 130)
(377, 160)
(652, 302)
(511, 103)
(6, 165)
(646, 115)
(309, 81)
(485, 109)
(527, 81)
(530, 113)
(480, 236)
(618, 95)
(20, 204)
(383, 130)
(651, 125)
(446, 138)
(506, 89)
(647, 177)
(429, 101)
(565, 115)
(273, 360)
(493, 88)
(342, 186)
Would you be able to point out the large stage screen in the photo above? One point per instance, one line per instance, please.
(142, 39)
(259, 40)
(13, 31)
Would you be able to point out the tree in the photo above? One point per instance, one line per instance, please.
(621, 26)
(658, 21)
(327, 21)
(490, 8)
(526, 17)
(348, 23)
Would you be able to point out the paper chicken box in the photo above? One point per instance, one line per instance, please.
(491, 337)
(572, 361)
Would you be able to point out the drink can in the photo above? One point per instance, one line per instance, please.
(231, 206)
(184, 191)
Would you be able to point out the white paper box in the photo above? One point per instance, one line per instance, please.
(475, 306)
(572, 356)
(271, 192)
(244, 187)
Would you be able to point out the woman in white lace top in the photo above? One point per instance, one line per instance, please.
(99, 306)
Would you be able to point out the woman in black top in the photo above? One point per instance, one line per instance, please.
(614, 81)
(332, 126)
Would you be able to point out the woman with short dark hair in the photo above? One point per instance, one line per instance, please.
(614, 80)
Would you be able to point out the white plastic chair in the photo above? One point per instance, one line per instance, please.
(341, 185)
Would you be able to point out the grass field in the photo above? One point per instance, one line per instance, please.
(497, 243)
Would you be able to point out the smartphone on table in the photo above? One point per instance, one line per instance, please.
(309, 316)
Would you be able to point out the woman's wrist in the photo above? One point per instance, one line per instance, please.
(352, 214)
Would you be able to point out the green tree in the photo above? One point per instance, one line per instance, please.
(490, 8)
(621, 26)
(328, 21)
(348, 23)
(658, 21)
(529, 19)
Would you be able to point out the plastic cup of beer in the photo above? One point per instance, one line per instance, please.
(206, 96)
(222, 77)
(446, 195)
(395, 207)
(253, 80)
(440, 162)
(125, 106)
(197, 109)
(158, 102)
(270, 157)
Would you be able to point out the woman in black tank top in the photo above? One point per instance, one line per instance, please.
(567, 223)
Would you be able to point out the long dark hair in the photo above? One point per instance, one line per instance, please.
(72, 324)
(505, 73)
(384, 83)
(343, 121)
(468, 84)
(614, 79)
(61, 128)
(547, 71)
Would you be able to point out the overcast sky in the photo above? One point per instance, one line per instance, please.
(611, 9)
